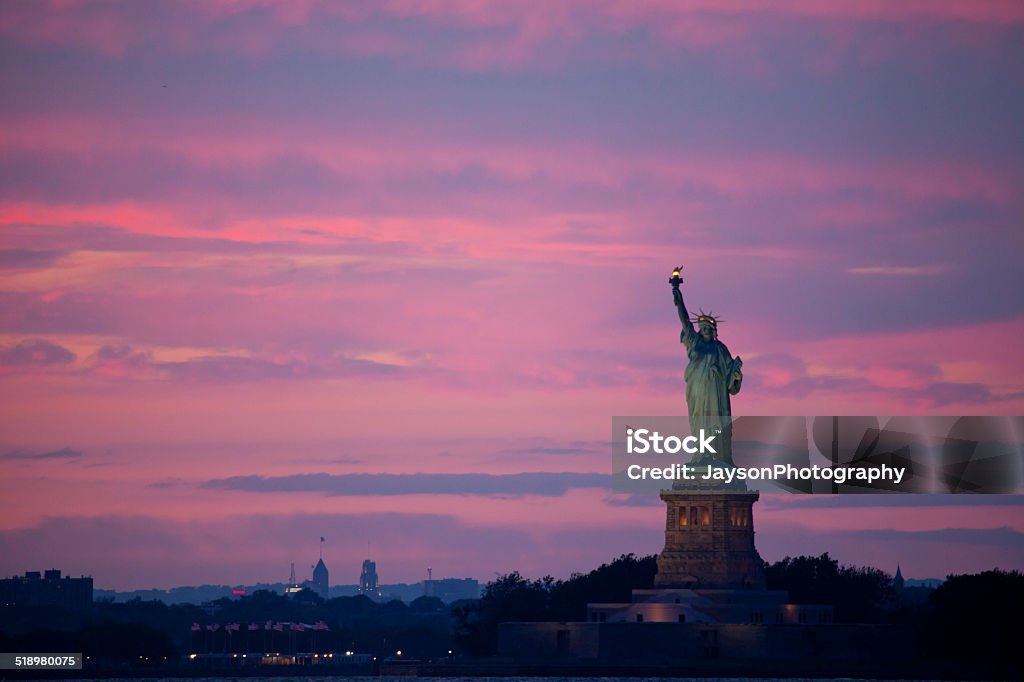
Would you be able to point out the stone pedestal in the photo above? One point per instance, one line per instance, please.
(709, 540)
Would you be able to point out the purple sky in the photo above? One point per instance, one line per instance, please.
(399, 263)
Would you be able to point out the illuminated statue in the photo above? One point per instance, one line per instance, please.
(712, 376)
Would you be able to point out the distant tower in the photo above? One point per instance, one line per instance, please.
(292, 587)
(320, 582)
(369, 584)
(897, 580)
(428, 586)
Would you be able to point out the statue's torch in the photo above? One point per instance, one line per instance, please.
(677, 276)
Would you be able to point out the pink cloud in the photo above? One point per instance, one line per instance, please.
(497, 35)
(34, 353)
(379, 158)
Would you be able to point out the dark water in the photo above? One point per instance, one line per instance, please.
(483, 679)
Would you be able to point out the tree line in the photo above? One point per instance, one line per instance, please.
(966, 619)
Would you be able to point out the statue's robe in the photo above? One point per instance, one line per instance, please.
(711, 377)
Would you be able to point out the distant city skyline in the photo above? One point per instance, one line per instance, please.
(383, 270)
(302, 579)
(447, 588)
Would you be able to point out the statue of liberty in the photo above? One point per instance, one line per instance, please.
(712, 376)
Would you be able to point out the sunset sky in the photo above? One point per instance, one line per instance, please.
(271, 271)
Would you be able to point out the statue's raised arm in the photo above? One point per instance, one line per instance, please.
(689, 334)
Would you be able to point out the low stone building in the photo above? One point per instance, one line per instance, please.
(675, 605)
(672, 644)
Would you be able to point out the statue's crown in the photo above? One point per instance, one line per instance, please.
(711, 319)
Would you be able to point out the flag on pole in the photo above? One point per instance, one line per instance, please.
(299, 627)
(279, 627)
(233, 627)
(196, 627)
(268, 626)
(213, 627)
(320, 625)
(253, 627)
(322, 539)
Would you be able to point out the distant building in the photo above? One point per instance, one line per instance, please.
(46, 589)
(451, 589)
(897, 580)
(320, 582)
(369, 583)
